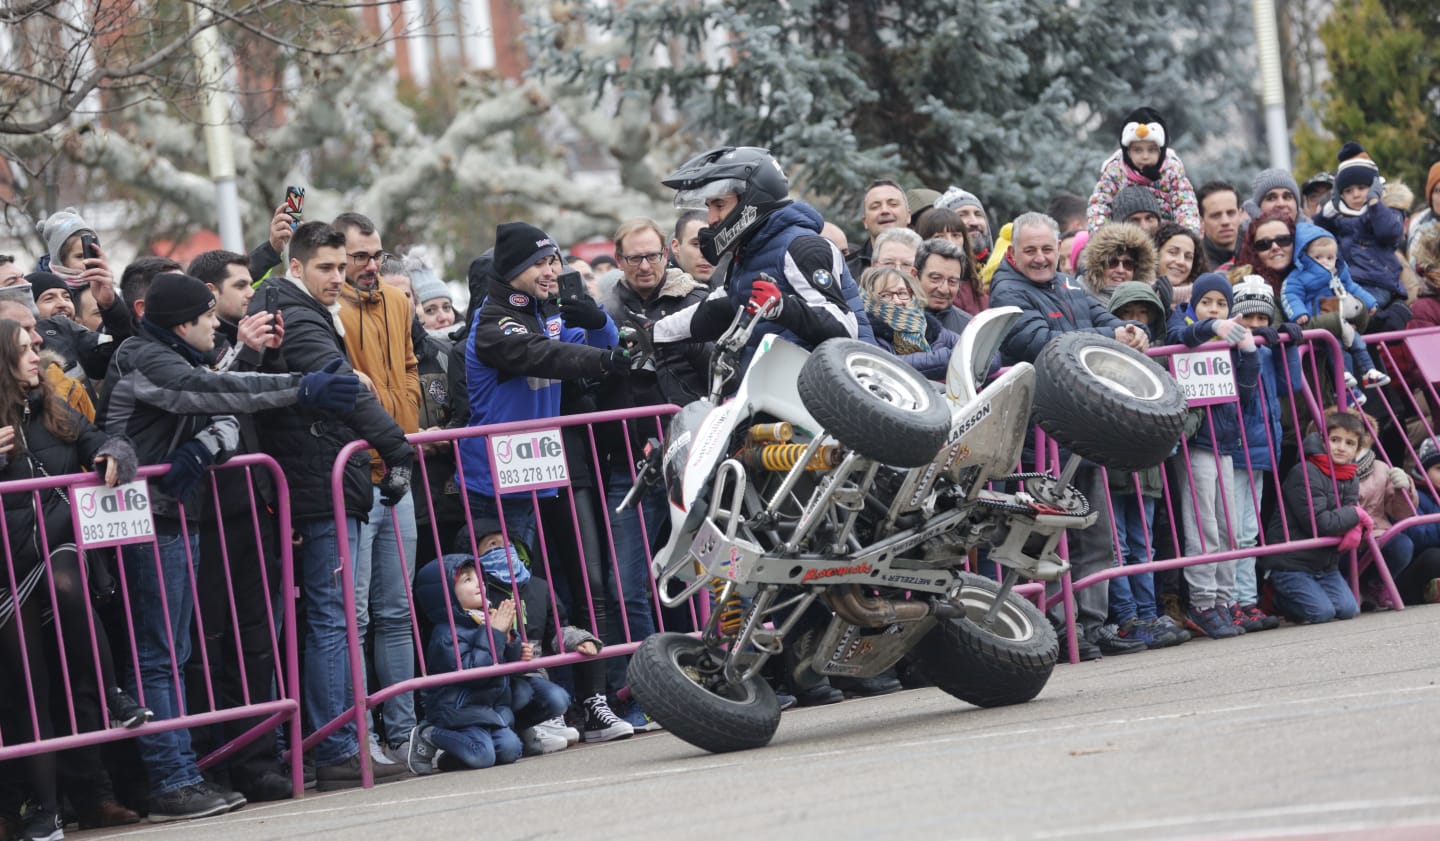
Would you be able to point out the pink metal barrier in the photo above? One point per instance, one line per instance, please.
(559, 554)
(1301, 402)
(271, 699)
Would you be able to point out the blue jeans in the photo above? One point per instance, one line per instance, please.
(168, 757)
(326, 677)
(1247, 533)
(535, 699)
(1313, 597)
(382, 585)
(1134, 595)
(478, 747)
(632, 555)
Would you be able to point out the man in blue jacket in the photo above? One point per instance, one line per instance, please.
(1053, 303)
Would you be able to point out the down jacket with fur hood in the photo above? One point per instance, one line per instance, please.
(1119, 239)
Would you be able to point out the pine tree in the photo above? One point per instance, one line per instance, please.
(1013, 101)
(1384, 60)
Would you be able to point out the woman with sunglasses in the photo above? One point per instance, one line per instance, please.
(1120, 252)
(41, 435)
(1269, 250)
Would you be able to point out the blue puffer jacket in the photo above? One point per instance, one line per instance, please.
(1368, 243)
(485, 701)
(1255, 453)
(1427, 535)
(1309, 281)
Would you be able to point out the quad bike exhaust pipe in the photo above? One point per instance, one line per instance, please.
(877, 612)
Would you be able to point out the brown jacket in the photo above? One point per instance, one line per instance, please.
(377, 337)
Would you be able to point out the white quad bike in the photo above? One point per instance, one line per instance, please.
(840, 485)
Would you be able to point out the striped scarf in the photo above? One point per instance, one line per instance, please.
(907, 321)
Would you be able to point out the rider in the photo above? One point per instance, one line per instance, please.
(768, 255)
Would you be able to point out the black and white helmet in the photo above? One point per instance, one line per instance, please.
(747, 171)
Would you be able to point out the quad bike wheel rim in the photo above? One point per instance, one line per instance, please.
(1122, 373)
(1009, 623)
(888, 381)
(686, 661)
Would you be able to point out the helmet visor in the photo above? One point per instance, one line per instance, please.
(695, 198)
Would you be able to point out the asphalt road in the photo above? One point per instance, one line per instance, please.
(1327, 732)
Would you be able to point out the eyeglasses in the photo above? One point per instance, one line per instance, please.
(901, 294)
(942, 280)
(1284, 241)
(634, 260)
(1122, 262)
(360, 258)
(6, 258)
(896, 264)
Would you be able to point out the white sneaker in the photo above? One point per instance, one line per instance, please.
(537, 741)
(1375, 378)
(1350, 381)
(379, 754)
(558, 726)
(602, 724)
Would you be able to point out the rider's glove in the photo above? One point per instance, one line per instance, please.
(766, 301)
(583, 313)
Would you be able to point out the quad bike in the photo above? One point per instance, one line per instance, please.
(828, 507)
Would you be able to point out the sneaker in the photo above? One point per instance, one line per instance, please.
(1358, 397)
(1350, 381)
(1432, 591)
(266, 786)
(186, 803)
(1210, 623)
(307, 769)
(423, 754)
(1267, 622)
(125, 712)
(233, 799)
(536, 741)
(819, 695)
(1109, 641)
(601, 724)
(786, 700)
(347, 774)
(108, 812)
(41, 824)
(1135, 628)
(1243, 620)
(378, 754)
(1376, 592)
(641, 720)
(1375, 378)
(558, 726)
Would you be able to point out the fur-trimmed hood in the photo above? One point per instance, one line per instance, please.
(1426, 259)
(1112, 241)
(1398, 196)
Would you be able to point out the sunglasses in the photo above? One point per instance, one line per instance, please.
(1284, 241)
(1124, 262)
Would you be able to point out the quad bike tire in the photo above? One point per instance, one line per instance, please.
(1008, 663)
(873, 403)
(1107, 401)
(712, 722)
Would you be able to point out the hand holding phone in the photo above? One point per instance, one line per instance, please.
(89, 247)
(572, 286)
(295, 205)
(272, 303)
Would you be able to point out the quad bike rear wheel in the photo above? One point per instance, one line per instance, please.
(1107, 401)
(678, 684)
(1006, 662)
(874, 403)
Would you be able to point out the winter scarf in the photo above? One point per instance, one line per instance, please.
(1340, 472)
(908, 322)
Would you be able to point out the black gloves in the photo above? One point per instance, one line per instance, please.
(187, 466)
(395, 485)
(618, 360)
(583, 313)
(1293, 331)
(1272, 338)
(328, 391)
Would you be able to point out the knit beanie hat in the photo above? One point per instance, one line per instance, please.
(1269, 179)
(1356, 168)
(1133, 199)
(62, 225)
(424, 282)
(1144, 124)
(1212, 282)
(175, 299)
(42, 282)
(1252, 295)
(955, 198)
(1429, 454)
(518, 246)
(920, 198)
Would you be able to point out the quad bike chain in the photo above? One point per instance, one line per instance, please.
(1045, 500)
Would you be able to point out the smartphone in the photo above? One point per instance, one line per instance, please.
(272, 302)
(295, 204)
(89, 247)
(572, 286)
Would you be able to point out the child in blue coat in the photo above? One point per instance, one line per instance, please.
(1369, 232)
(1321, 274)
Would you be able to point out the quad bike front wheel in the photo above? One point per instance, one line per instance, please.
(1108, 402)
(1005, 662)
(874, 403)
(678, 684)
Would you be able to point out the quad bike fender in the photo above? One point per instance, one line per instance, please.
(988, 433)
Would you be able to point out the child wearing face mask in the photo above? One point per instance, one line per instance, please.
(1320, 282)
(1144, 158)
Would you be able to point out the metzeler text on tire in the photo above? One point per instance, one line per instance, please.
(1007, 663)
(1108, 402)
(874, 403)
(667, 673)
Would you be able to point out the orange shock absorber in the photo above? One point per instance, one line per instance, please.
(779, 457)
(728, 611)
